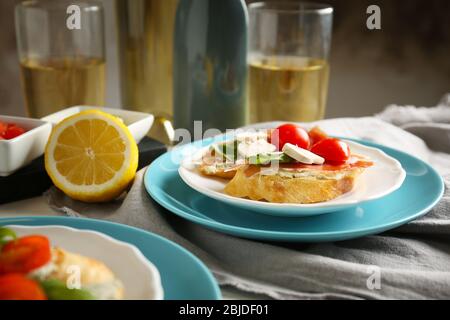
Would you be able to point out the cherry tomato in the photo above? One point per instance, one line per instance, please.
(332, 150)
(13, 131)
(289, 133)
(15, 286)
(316, 134)
(24, 254)
(3, 127)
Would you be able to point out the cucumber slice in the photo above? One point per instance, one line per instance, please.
(6, 235)
(228, 150)
(57, 290)
(263, 159)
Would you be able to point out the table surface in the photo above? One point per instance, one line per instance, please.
(38, 207)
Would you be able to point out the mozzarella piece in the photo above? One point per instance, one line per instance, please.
(302, 155)
(260, 146)
(251, 136)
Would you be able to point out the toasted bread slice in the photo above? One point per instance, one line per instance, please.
(215, 171)
(214, 166)
(306, 187)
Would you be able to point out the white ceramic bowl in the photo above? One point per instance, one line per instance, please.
(139, 276)
(139, 123)
(20, 151)
(383, 178)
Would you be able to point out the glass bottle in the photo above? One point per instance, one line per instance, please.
(210, 47)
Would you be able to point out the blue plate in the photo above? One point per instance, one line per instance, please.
(183, 275)
(421, 190)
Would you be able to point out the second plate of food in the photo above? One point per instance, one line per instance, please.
(116, 261)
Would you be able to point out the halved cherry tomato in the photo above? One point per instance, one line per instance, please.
(10, 131)
(289, 133)
(316, 134)
(332, 150)
(13, 131)
(3, 127)
(15, 286)
(24, 254)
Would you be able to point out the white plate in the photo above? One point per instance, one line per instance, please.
(140, 277)
(386, 176)
(139, 123)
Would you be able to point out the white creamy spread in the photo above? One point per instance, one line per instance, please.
(302, 173)
(45, 271)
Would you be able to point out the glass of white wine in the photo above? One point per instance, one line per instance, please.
(61, 53)
(288, 60)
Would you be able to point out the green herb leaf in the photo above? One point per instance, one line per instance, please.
(228, 150)
(57, 290)
(6, 235)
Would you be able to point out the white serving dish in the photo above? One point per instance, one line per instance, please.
(20, 151)
(139, 123)
(141, 279)
(383, 178)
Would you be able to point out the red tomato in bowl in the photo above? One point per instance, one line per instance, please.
(10, 131)
(332, 150)
(289, 133)
(13, 131)
(3, 128)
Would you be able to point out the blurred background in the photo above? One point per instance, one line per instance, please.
(405, 63)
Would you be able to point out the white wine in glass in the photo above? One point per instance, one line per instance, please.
(60, 66)
(289, 47)
(288, 88)
(52, 84)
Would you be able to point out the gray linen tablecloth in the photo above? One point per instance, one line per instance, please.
(412, 261)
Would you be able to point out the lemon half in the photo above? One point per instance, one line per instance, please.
(91, 156)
